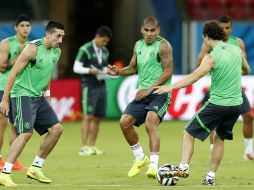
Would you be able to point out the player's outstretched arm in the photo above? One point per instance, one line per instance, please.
(206, 65)
(129, 70)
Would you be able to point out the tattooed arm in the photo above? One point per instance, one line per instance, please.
(166, 63)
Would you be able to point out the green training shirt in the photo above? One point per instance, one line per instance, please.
(34, 79)
(226, 87)
(14, 52)
(148, 63)
(232, 40)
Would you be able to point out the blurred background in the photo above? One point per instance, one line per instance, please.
(181, 23)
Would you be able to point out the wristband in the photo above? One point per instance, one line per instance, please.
(46, 93)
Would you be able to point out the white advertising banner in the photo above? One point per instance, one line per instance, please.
(186, 101)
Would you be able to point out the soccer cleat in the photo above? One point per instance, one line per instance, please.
(183, 170)
(5, 180)
(209, 180)
(248, 156)
(151, 172)
(176, 173)
(182, 173)
(1, 163)
(18, 166)
(87, 151)
(137, 165)
(37, 174)
(97, 151)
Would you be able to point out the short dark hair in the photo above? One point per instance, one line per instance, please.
(151, 20)
(104, 31)
(213, 30)
(53, 24)
(21, 18)
(225, 19)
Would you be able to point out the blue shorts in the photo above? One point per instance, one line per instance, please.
(153, 102)
(209, 117)
(32, 113)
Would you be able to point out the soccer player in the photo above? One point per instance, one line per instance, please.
(225, 63)
(91, 62)
(28, 86)
(226, 23)
(10, 49)
(152, 61)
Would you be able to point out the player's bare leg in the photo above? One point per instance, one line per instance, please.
(152, 122)
(248, 135)
(131, 136)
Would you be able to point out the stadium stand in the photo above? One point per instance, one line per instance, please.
(209, 9)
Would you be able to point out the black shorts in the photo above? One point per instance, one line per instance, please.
(244, 108)
(32, 113)
(10, 112)
(94, 101)
(156, 103)
(209, 117)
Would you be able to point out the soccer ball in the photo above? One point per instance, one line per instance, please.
(166, 180)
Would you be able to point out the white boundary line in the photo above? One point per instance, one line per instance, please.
(136, 186)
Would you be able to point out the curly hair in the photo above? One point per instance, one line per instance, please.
(213, 30)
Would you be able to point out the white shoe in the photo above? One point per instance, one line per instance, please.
(86, 151)
(209, 180)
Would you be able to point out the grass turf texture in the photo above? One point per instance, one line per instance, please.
(69, 171)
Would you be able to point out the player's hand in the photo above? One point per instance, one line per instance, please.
(162, 89)
(112, 70)
(94, 71)
(141, 94)
(3, 67)
(4, 108)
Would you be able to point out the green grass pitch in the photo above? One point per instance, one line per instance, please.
(69, 171)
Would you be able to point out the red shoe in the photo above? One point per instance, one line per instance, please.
(18, 166)
(1, 163)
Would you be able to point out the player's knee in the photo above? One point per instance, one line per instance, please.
(125, 123)
(247, 117)
(152, 122)
(25, 136)
(57, 129)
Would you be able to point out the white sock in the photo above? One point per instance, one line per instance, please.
(138, 151)
(154, 159)
(38, 161)
(211, 174)
(248, 145)
(211, 147)
(183, 166)
(7, 168)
